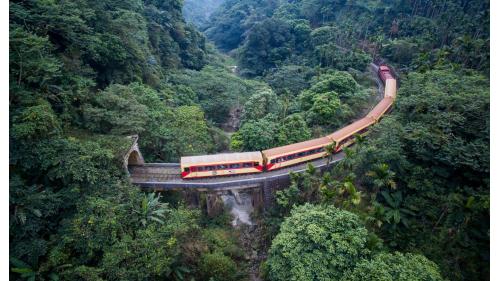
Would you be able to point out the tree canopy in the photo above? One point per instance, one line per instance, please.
(394, 267)
(317, 243)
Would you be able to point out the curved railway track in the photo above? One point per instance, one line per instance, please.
(166, 176)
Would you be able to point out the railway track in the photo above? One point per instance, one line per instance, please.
(166, 176)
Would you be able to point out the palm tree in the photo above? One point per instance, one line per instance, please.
(30, 273)
(352, 194)
(341, 194)
(359, 139)
(394, 212)
(348, 162)
(382, 177)
(152, 209)
(330, 151)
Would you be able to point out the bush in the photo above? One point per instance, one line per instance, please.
(217, 266)
(395, 267)
(317, 243)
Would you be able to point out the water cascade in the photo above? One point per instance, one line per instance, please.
(241, 208)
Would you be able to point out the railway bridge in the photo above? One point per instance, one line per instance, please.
(166, 176)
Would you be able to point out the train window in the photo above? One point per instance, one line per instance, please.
(301, 154)
(247, 165)
(289, 157)
(221, 167)
(186, 169)
(345, 140)
(273, 161)
(201, 169)
(234, 166)
(255, 164)
(362, 131)
(210, 168)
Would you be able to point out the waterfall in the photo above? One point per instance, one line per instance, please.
(240, 209)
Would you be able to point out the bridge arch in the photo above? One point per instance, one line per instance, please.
(134, 156)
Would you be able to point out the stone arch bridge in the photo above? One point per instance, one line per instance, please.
(166, 176)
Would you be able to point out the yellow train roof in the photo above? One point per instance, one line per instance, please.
(296, 147)
(379, 110)
(254, 156)
(390, 88)
(351, 129)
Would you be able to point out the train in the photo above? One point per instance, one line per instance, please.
(227, 164)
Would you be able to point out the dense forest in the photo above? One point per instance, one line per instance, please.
(199, 13)
(410, 201)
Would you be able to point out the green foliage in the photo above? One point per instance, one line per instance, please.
(348, 34)
(152, 209)
(227, 25)
(114, 232)
(395, 266)
(338, 81)
(198, 12)
(332, 99)
(303, 188)
(236, 143)
(289, 78)
(98, 35)
(317, 243)
(217, 266)
(118, 110)
(268, 43)
(326, 109)
(341, 194)
(437, 160)
(190, 131)
(257, 135)
(261, 134)
(330, 55)
(35, 122)
(293, 129)
(31, 60)
(401, 51)
(219, 139)
(137, 109)
(82, 69)
(217, 90)
(222, 240)
(382, 177)
(260, 104)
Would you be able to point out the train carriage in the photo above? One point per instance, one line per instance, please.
(390, 88)
(380, 109)
(224, 164)
(384, 72)
(345, 136)
(288, 155)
